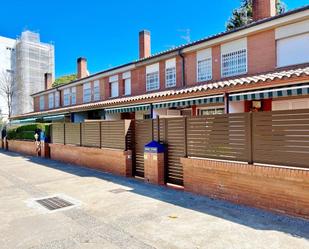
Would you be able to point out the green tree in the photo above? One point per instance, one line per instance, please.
(244, 14)
(64, 80)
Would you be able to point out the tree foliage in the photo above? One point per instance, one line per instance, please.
(64, 80)
(244, 14)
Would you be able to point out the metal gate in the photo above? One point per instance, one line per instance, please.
(143, 135)
(175, 139)
(172, 132)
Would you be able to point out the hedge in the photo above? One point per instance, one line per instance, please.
(26, 132)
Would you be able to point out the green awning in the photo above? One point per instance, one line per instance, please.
(24, 121)
(128, 109)
(190, 102)
(296, 90)
(54, 118)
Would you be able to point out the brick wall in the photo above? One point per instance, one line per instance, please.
(216, 63)
(261, 58)
(46, 104)
(179, 62)
(190, 62)
(262, 52)
(154, 168)
(36, 103)
(138, 81)
(282, 190)
(79, 94)
(109, 160)
(23, 147)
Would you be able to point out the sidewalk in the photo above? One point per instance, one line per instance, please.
(116, 212)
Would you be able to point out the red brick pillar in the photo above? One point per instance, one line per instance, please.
(154, 163)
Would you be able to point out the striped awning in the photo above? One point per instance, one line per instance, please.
(296, 90)
(53, 118)
(128, 109)
(190, 102)
(23, 121)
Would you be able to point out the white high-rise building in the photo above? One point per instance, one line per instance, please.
(28, 61)
(7, 67)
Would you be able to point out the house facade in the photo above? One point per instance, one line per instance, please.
(263, 66)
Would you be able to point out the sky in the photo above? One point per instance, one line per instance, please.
(106, 32)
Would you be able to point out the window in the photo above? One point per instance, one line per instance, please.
(114, 86)
(42, 103)
(66, 97)
(50, 100)
(127, 86)
(152, 77)
(170, 73)
(293, 50)
(204, 65)
(127, 83)
(73, 96)
(234, 58)
(212, 111)
(57, 99)
(86, 92)
(96, 90)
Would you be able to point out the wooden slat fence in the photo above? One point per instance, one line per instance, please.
(143, 135)
(107, 134)
(281, 137)
(113, 134)
(73, 133)
(91, 134)
(220, 137)
(58, 134)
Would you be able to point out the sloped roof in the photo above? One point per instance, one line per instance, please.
(186, 45)
(153, 97)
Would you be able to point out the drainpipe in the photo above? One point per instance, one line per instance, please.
(183, 68)
(226, 103)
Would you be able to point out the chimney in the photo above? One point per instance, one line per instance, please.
(82, 68)
(144, 44)
(264, 9)
(48, 80)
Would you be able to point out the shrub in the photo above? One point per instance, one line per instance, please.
(26, 132)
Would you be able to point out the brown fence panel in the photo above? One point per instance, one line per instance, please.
(281, 137)
(91, 134)
(159, 132)
(174, 135)
(143, 135)
(219, 137)
(113, 134)
(72, 133)
(58, 133)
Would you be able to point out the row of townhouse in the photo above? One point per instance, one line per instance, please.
(263, 66)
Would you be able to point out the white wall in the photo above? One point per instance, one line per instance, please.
(293, 50)
(159, 112)
(292, 104)
(237, 107)
(112, 116)
(140, 114)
